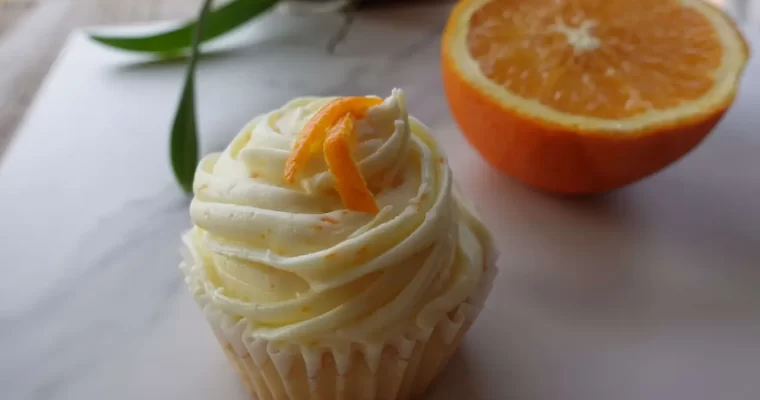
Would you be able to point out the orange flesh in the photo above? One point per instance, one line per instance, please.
(629, 57)
(314, 133)
(349, 182)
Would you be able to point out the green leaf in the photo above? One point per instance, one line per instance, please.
(218, 22)
(184, 137)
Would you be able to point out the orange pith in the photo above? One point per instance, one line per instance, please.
(314, 133)
(349, 181)
(583, 96)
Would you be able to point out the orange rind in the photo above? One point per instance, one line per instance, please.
(331, 129)
(313, 134)
(349, 181)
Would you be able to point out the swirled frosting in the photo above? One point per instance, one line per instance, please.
(299, 266)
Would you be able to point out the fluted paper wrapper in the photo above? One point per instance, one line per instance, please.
(400, 368)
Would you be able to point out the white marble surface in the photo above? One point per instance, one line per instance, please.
(652, 292)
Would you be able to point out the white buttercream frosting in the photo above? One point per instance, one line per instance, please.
(299, 267)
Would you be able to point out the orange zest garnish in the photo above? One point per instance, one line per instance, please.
(349, 181)
(314, 133)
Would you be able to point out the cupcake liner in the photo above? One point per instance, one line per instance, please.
(399, 368)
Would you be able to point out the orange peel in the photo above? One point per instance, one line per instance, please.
(349, 181)
(314, 133)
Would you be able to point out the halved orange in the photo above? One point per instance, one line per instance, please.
(585, 96)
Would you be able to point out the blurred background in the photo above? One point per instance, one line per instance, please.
(33, 31)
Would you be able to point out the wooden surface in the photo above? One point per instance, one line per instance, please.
(33, 31)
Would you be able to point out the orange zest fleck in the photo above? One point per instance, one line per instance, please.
(314, 133)
(329, 220)
(349, 181)
(362, 254)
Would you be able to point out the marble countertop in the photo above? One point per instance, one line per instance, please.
(652, 292)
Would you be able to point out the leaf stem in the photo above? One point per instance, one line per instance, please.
(184, 136)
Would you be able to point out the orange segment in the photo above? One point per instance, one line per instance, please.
(582, 96)
(349, 182)
(313, 135)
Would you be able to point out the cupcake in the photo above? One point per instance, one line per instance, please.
(333, 255)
